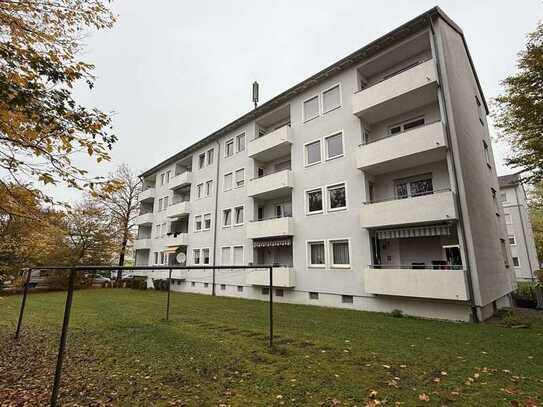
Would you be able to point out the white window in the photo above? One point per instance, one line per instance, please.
(207, 221)
(508, 220)
(227, 217)
(313, 153)
(196, 256)
(199, 189)
(240, 143)
(240, 177)
(157, 231)
(316, 254)
(229, 148)
(503, 197)
(228, 181)
(512, 240)
(156, 257)
(160, 204)
(331, 99)
(161, 257)
(165, 202)
(516, 262)
(162, 179)
(334, 146)
(486, 154)
(337, 197)
(339, 253)
(209, 185)
(201, 160)
(311, 108)
(238, 215)
(238, 255)
(163, 230)
(168, 176)
(226, 259)
(198, 223)
(205, 256)
(314, 201)
(210, 156)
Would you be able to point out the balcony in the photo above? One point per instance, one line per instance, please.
(443, 284)
(142, 244)
(178, 209)
(270, 228)
(413, 87)
(180, 180)
(272, 145)
(270, 186)
(145, 219)
(146, 195)
(181, 239)
(438, 206)
(418, 146)
(282, 277)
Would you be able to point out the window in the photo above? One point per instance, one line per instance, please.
(240, 177)
(163, 229)
(265, 291)
(339, 252)
(207, 221)
(331, 99)
(227, 181)
(209, 185)
(196, 256)
(503, 197)
(279, 292)
(165, 202)
(156, 257)
(486, 154)
(210, 156)
(223, 286)
(238, 215)
(316, 254)
(227, 217)
(516, 262)
(168, 176)
(313, 296)
(311, 108)
(347, 299)
(229, 148)
(160, 204)
(199, 189)
(314, 201)
(205, 255)
(162, 179)
(240, 288)
(407, 125)
(313, 153)
(337, 199)
(418, 187)
(334, 146)
(157, 231)
(240, 143)
(161, 257)
(508, 220)
(226, 259)
(201, 160)
(504, 253)
(238, 255)
(206, 285)
(512, 240)
(198, 223)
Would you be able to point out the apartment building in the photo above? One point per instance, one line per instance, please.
(519, 229)
(371, 185)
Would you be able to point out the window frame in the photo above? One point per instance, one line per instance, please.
(308, 244)
(317, 96)
(331, 252)
(486, 154)
(198, 218)
(204, 228)
(194, 251)
(210, 156)
(328, 200)
(235, 180)
(517, 265)
(230, 252)
(231, 181)
(306, 155)
(202, 250)
(201, 160)
(237, 145)
(224, 225)
(226, 143)
(508, 219)
(208, 188)
(234, 255)
(514, 238)
(199, 190)
(338, 85)
(325, 138)
(234, 218)
(306, 201)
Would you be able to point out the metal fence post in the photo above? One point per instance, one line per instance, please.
(23, 304)
(271, 306)
(64, 334)
(169, 288)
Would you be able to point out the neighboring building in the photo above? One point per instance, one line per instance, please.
(372, 183)
(519, 229)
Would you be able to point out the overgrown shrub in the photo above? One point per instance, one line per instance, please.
(161, 284)
(397, 313)
(525, 295)
(137, 283)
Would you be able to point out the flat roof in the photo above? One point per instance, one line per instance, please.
(403, 31)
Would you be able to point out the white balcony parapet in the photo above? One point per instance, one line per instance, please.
(421, 283)
(270, 228)
(145, 219)
(409, 81)
(268, 185)
(141, 244)
(181, 239)
(180, 180)
(178, 209)
(271, 145)
(436, 207)
(146, 195)
(282, 277)
(418, 146)
(160, 274)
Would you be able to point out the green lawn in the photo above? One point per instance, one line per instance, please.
(213, 351)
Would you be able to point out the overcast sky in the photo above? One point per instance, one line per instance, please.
(174, 71)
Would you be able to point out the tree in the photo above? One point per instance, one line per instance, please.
(41, 125)
(121, 205)
(536, 216)
(518, 113)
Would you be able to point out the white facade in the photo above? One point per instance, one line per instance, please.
(519, 229)
(371, 186)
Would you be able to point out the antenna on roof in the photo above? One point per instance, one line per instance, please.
(255, 93)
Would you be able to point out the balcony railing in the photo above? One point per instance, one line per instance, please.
(271, 145)
(270, 184)
(413, 195)
(451, 267)
(180, 180)
(146, 194)
(270, 227)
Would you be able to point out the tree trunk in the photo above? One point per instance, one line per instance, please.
(122, 254)
(539, 296)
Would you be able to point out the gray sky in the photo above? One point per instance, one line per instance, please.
(175, 71)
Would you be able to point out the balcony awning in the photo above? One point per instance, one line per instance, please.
(171, 249)
(273, 242)
(420, 231)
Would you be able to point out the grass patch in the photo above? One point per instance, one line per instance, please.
(214, 351)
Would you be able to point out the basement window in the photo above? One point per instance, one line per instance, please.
(223, 286)
(279, 293)
(313, 296)
(265, 291)
(240, 288)
(347, 299)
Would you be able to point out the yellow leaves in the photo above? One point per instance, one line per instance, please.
(424, 397)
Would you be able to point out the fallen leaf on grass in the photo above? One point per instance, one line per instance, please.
(424, 397)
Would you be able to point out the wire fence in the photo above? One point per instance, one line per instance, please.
(166, 272)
